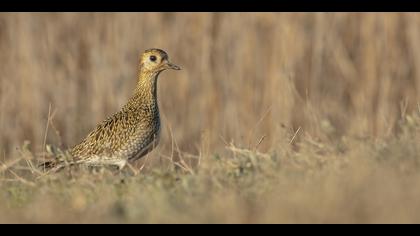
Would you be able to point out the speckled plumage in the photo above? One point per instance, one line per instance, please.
(133, 131)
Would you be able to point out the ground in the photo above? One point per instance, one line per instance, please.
(349, 181)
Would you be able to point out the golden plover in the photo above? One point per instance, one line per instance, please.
(130, 133)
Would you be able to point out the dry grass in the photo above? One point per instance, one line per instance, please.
(274, 117)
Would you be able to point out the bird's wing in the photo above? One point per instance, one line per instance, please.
(106, 138)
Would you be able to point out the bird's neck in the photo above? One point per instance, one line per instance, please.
(147, 84)
(145, 93)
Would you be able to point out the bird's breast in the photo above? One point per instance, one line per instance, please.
(145, 138)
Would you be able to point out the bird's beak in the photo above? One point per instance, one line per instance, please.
(172, 66)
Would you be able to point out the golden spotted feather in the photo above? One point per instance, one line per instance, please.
(133, 131)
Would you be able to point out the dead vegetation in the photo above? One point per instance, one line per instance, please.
(276, 118)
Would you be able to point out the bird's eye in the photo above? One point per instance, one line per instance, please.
(153, 58)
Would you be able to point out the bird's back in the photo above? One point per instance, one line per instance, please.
(124, 135)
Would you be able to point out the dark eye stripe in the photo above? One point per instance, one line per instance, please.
(153, 58)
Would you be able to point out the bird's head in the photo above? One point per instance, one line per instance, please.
(156, 60)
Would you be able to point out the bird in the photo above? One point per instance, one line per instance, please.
(132, 132)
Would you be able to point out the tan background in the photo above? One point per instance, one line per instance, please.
(245, 75)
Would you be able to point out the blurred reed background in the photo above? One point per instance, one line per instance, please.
(245, 75)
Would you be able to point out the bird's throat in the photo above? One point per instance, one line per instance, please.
(147, 85)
